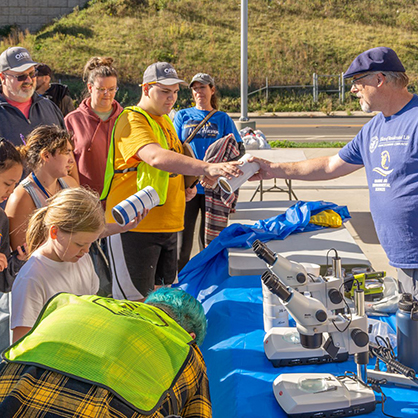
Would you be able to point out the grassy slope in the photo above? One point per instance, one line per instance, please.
(288, 39)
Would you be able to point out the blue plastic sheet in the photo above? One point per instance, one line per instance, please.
(240, 375)
(207, 269)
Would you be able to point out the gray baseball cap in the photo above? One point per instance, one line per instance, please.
(163, 73)
(202, 78)
(17, 59)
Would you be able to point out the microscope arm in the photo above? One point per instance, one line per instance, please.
(291, 273)
(309, 313)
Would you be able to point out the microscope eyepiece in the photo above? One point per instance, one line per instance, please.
(263, 252)
(275, 286)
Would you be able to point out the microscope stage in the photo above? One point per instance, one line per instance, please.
(322, 395)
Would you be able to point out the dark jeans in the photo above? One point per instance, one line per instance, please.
(151, 258)
(192, 210)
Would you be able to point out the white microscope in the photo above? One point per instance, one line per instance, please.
(285, 346)
(306, 395)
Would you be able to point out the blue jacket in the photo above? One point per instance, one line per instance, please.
(14, 124)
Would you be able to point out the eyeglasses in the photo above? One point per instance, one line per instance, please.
(354, 80)
(23, 77)
(110, 90)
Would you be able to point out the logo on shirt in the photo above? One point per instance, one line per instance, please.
(374, 142)
(383, 170)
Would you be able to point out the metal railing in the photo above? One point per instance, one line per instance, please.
(315, 86)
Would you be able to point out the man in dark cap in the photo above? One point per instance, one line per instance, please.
(21, 108)
(56, 92)
(387, 147)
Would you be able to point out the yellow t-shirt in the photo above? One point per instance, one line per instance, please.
(132, 132)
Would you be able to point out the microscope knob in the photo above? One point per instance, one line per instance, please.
(321, 315)
(301, 278)
(359, 337)
(335, 296)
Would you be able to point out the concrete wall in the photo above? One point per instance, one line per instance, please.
(33, 14)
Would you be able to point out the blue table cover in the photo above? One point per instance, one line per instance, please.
(240, 375)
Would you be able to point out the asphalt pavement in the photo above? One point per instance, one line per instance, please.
(313, 127)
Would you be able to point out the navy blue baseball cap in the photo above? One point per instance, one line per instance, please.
(375, 59)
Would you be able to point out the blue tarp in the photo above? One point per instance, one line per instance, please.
(207, 269)
(239, 373)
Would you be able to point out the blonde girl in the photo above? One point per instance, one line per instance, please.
(59, 237)
(48, 153)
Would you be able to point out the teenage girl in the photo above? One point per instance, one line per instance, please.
(59, 237)
(11, 169)
(48, 153)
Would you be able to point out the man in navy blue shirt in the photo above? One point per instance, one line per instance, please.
(387, 147)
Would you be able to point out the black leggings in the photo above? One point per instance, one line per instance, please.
(151, 258)
(192, 210)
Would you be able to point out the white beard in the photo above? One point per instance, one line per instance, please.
(365, 107)
(26, 95)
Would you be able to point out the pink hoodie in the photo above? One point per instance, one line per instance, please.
(91, 142)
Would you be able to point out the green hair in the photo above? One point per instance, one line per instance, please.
(182, 307)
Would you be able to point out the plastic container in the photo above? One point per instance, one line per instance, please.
(129, 208)
(230, 185)
(407, 331)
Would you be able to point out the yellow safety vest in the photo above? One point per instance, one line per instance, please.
(130, 348)
(146, 175)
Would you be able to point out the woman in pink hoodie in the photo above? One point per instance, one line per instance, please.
(92, 122)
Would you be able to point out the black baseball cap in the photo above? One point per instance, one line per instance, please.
(43, 70)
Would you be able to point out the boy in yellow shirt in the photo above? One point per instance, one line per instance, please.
(146, 256)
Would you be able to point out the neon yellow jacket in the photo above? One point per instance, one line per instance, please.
(132, 349)
(146, 175)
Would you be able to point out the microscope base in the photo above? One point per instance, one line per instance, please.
(302, 361)
(322, 395)
(282, 348)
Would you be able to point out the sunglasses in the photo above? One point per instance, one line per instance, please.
(23, 77)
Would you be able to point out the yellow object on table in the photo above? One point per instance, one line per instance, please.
(327, 218)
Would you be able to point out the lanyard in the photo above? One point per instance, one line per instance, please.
(38, 183)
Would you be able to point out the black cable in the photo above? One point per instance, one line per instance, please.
(336, 255)
(386, 355)
(375, 386)
(348, 309)
(378, 389)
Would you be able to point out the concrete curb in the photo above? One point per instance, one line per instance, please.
(339, 114)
